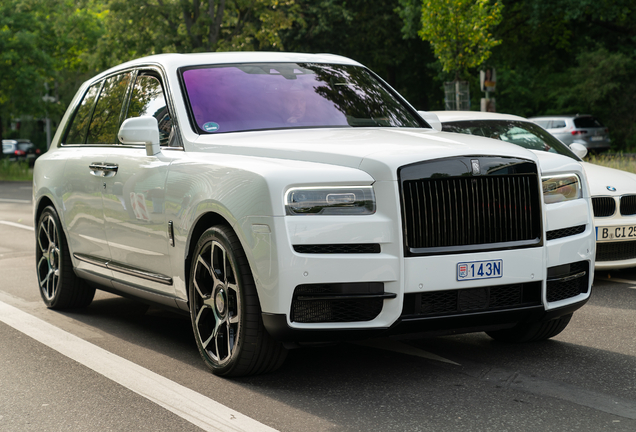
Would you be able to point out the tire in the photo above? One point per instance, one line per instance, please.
(60, 287)
(225, 311)
(533, 331)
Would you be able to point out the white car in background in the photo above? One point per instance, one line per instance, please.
(613, 191)
(282, 198)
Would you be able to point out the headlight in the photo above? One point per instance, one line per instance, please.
(560, 188)
(336, 200)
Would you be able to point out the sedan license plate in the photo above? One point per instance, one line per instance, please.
(616, 233)
(479, 270)
(597, 138)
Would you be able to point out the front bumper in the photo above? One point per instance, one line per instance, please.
(278, 327)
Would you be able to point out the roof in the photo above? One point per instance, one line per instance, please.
(561, 116)
(450, 116)
(174, 60)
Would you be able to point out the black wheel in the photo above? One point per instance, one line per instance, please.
(60, 288)
(225, 311)
(533, 331)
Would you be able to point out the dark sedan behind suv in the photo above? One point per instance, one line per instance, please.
(30, 150)
(582, 129)
(11, 151)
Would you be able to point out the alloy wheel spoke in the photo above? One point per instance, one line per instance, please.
(215, 275)
(201, 261)
(196, 286)
(42, 248)
(230, 338)
(206, 342)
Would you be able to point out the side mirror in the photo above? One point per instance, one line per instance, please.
(578, 149)
(431, 119)
(141, 130)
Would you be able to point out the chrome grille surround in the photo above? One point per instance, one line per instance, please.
(447, 208)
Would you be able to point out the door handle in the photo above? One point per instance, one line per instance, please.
(103, 169)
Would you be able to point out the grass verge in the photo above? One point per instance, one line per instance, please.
(15, 171)
(615, 160)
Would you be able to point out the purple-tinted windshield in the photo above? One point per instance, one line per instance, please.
(287, 95)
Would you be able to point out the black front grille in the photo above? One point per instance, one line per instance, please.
(450, 212)
(569, 280)
(628, 205)
(346, 302)
(362, 248)
(463, 301)
(616, 251)
(603, 206)
(565, 232)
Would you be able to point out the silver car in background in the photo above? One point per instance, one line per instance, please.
(580, 128)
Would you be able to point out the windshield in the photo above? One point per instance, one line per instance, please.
(245, 97)
(525, 134)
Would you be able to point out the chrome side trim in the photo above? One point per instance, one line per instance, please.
(92, 260)
(126, 269)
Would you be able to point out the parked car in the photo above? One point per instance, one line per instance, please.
(11, 150)
(583, 129)
(613, 191)
(30, 150)
(281, 199)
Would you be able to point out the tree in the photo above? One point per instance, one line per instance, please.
(368, 32)
(143, 27)
(569, 56)
(44, 48)
(460, 31)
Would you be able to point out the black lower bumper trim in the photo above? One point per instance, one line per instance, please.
(276, 324)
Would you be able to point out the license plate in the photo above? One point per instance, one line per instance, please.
(597, 138)
(479, 270)
(616, 233)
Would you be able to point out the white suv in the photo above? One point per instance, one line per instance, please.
(283, 198)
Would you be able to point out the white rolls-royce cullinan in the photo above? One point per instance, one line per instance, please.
(281, 199)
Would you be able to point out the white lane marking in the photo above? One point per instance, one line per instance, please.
(402, 348)
(17, 201)
(199, 410)
(17, 225)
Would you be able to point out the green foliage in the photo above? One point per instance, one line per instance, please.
(460, 31)
(604, 83)
(369, 32)
(15, 171)
(616, 161)
(567, 56)
(44, 48)
(143, 27)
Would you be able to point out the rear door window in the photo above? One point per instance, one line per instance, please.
(558, 124)
(105, 122)
(82, 118)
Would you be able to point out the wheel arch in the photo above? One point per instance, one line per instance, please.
(205, 221)
(43, 203)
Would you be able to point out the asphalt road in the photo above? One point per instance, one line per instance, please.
(120, 365)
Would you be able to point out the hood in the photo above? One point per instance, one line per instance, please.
(554, 163)
(600, 178)
(378, 151)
